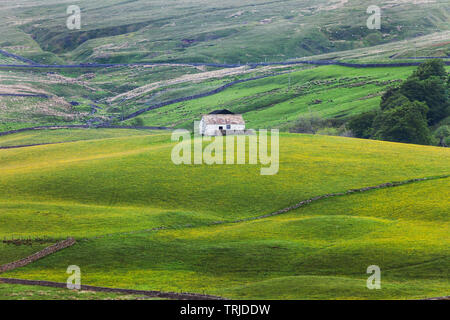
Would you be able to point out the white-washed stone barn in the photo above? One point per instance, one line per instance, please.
(222, 122)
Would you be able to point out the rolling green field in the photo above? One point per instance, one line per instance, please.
(110, 193)
(12, 252)
(67, 135)
(21, 292)
(142, 222)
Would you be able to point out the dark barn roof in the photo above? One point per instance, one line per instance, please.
(224, 111)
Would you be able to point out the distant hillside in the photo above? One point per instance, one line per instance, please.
(210, 31)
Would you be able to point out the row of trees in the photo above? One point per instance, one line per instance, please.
(409, 113)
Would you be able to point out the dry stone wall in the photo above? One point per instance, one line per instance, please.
(158, 294)
(38, 255)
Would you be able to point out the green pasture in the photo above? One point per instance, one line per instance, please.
(68, 135)
(23, 292)
(326, 91)
(130, 183)
(142, 222)
(320, 251)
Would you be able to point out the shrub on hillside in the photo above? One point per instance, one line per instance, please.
(137, 122)
(308, 124)
(443, 135)
(314, 124)
(334, 131)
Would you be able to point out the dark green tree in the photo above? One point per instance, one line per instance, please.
(433, 91)
(361, 125)
(406, 123)
(393, 98)
(431, 68)
(407, 110)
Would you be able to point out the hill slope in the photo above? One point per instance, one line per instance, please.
(120, 188)
(200, 30)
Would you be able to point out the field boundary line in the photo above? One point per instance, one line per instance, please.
(279, 212)
(24, 95)
(438, 298)
(81, 126)
(198, 96)
(218, 65)
(33, 145)
(332, 195)
(254, 65)
(155, 294)
(17, 57)
(38, 255)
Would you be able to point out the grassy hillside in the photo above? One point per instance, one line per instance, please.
(72, 94)
(431, 45)
(232, 31)
(109, 192)
(133, 176)
(67, 135)
(12, 252)
(277, 101)
(326, 91)
(20, 292)
(143, 222)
